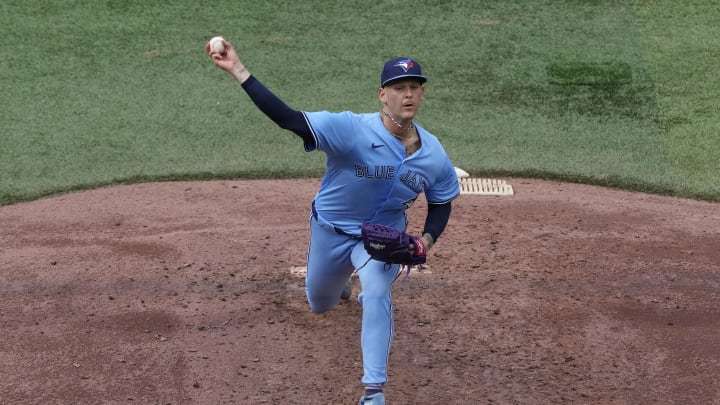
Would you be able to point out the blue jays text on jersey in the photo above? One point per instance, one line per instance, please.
(368, 175)
(414, 181)
(378, 172)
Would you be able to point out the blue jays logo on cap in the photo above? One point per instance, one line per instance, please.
(405, 64)
(400, 68)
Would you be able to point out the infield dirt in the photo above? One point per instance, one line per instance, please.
(182, 293)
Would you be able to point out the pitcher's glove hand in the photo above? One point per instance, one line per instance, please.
(390, 245)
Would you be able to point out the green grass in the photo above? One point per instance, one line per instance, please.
(616, 93)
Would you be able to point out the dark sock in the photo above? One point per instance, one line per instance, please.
(373, 389)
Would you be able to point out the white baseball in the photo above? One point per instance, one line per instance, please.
(217, 45)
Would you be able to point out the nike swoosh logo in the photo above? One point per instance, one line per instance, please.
(377, 146)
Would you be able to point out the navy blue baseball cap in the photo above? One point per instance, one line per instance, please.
(401, 68)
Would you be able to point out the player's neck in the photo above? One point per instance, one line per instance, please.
(402, 130)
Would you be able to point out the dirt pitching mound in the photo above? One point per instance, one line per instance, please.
(182, 293)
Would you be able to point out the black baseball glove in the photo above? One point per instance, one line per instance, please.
(390, 245)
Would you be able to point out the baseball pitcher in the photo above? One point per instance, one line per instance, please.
(377, 166)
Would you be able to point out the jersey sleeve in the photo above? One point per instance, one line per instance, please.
(446, 187)
(333, 132)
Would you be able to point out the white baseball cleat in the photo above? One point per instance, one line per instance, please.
(375, 399)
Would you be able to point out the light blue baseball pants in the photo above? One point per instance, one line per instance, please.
(332, 259)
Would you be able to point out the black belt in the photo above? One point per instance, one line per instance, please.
(338, 230)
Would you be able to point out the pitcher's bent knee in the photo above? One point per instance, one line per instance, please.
(321, 305)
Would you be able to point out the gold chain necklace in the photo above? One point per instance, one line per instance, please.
(408, 129)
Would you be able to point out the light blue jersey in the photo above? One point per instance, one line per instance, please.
(368, 177)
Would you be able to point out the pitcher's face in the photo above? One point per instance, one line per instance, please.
(401, 99)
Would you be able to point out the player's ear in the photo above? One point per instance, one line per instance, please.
(381, 95)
